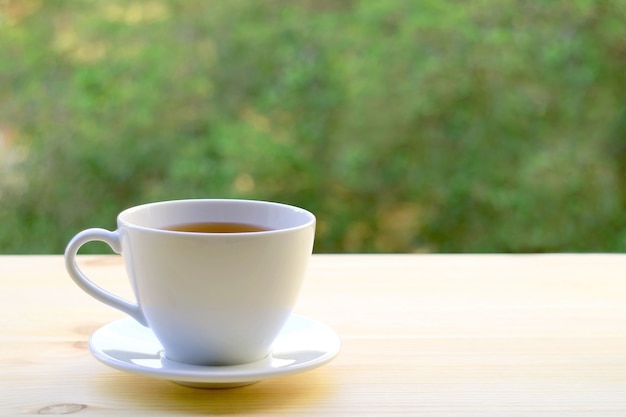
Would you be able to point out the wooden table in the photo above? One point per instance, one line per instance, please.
(431, 335)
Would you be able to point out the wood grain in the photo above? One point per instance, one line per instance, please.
(431, 335)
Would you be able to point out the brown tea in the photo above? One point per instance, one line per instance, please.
(216, 227)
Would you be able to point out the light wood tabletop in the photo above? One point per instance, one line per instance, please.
(431, 335)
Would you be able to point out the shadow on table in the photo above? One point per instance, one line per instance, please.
(310, 389)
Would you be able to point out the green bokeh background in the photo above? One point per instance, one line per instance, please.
(405, 126)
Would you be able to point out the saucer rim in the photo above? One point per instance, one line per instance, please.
(216, 375)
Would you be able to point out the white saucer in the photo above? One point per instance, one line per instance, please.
(303, 344)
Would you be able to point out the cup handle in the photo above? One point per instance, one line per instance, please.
(113, 240)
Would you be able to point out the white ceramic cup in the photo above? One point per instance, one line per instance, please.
(210, 298)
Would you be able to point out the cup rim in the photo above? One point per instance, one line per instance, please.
(123, 222)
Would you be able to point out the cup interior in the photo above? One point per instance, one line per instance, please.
(268, 215)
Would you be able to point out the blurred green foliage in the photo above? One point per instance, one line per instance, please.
(406, 126)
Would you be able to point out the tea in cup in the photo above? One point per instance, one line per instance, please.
(215, 280)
